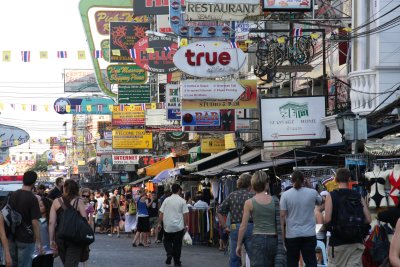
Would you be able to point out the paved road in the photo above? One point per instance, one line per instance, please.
(115, 252)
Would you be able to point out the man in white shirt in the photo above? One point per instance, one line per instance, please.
(200, 204)
(175, 217)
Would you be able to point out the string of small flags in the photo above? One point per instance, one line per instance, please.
(26, 56)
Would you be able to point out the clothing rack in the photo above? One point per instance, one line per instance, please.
(202, 226)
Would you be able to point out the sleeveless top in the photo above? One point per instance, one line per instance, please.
(263, 217)
(142, 209)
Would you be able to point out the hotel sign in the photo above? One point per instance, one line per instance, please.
(294, 118)
(228, 10)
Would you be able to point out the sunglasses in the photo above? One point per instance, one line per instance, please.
(86, 196)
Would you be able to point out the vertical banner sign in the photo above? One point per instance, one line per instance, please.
(172, 101)
(123, 36)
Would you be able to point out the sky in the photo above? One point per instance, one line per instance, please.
(43, 25)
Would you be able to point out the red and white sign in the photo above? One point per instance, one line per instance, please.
(216, 90)
(209, 59)
(125, 159)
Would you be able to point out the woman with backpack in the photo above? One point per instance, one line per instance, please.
(130, 214)
(70, 253)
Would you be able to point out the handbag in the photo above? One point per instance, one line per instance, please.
(73, 227)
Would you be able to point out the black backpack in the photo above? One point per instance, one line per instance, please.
(72, 226)
(349, 225)
(12, 218)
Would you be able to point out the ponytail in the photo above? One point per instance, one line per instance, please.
(297, 179)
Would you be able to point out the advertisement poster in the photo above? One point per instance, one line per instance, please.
(127, 118)
(106, 164)
(287, 5)
(227, 119)
(200, 118)
(123, 37)
(132, 139)
(292, 118)
(247, 100)
(83, 81)
(155, 53)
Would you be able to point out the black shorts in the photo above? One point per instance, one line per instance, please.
(143, 224)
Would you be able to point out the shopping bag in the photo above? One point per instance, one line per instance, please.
(187, 240)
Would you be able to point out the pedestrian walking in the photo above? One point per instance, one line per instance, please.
(115, 216)
(174, 216)
(46, 260)
(264, 240)
(348, 218)
(57, 191)
(160, 235)
(234, 205)
(297, 215)
(143, 223)
(70, 253)
(27, 236)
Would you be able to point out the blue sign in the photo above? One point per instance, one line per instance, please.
(174, 114)
(88, 105)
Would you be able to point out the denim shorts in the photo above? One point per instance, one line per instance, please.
(263, 249)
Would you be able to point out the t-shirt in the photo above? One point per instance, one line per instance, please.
(173, 209)
(26, 203)
(300, 204)
(55, 193)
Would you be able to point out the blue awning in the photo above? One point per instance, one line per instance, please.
(165, 175)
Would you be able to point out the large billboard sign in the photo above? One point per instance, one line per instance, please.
(82, 81)
(209, 59)
(128, 94)
(292, 118)
(201, 118)
(228, 10)
(132, 139)
(198, 89)
(126, 74)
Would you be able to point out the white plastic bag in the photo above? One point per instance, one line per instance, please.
(187, 240)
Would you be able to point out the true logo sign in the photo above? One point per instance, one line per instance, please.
(209, 59)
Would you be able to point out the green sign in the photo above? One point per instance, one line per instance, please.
(129, 94)
(126, 74)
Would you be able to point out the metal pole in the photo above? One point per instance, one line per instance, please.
(239, 156)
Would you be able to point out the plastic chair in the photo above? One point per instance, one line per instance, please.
(322, 246)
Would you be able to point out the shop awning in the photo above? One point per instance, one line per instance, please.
(211, 161)
(166, 174)
(385, 130)
(262, 165)
(230, 164)
(156, 168)
(308, 152)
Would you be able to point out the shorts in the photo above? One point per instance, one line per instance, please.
(153, 222)
(143, 224)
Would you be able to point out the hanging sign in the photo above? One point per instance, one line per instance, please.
(209, 59)
(287, 5)
(12, 136)
(104, 17)
(125, 159)
(248, 99)
(150, 7)
(201, 118)
(227, 10)
(227, 119)
(128, 117)
(174, 114)
(193, 90)
(293, 118)
(92, 105)
(132, 139)
(155, 53)
(212, 145)
(123, 36)
(126, 74)
(133, 94)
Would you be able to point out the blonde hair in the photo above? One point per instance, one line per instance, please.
(244, 181)
(259, 181)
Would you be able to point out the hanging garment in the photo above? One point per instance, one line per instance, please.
(395, 186)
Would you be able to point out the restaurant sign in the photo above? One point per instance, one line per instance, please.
(126, 74)
(226, 10)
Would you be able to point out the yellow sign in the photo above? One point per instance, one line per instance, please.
(212, 145)
(132, 139)
(126, 117)
(81, 163)
(229, 141)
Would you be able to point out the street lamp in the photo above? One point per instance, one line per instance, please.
(341, 118)
(239, 143)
